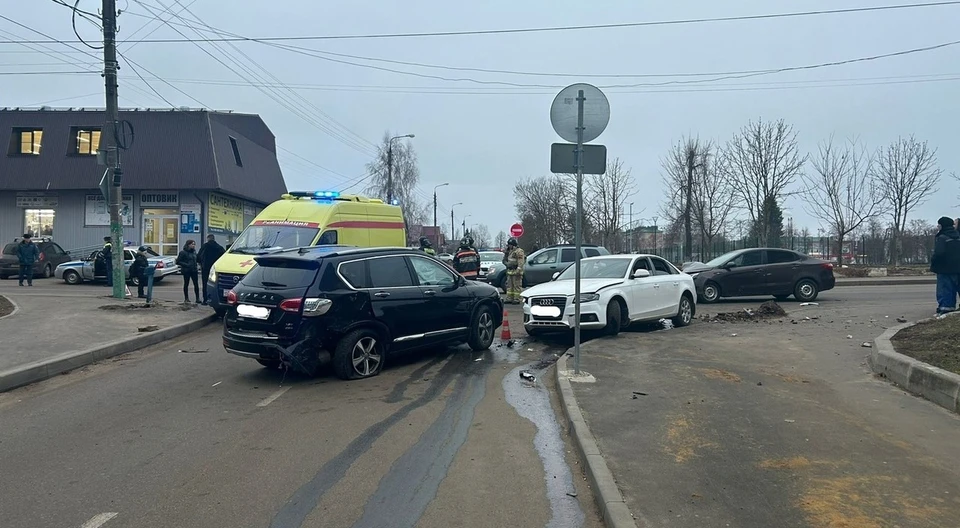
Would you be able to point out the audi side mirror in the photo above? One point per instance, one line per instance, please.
(641, 273)
(555, 275)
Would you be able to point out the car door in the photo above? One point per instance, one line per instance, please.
(667, 287)
(541, 268)
(96, 268)
(59, 255)
(780, 271)
(448, 301)
(395, 298)
(643, 296)
(745, 277)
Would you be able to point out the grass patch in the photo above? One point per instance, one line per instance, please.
(935, 342)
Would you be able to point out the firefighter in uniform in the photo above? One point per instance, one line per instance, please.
(514, 259)
(426, 246)
(467, 260)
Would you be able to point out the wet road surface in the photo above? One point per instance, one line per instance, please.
(162, 438)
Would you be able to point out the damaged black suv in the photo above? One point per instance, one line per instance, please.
(307, 307)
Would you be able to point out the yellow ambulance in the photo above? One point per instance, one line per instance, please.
(298, 219)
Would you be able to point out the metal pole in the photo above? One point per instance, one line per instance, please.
(435, 227)
(390, 172)
(453, 227)
(109, 140)
(630, 233)
(577, 236)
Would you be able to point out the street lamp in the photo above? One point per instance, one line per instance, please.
(435, 225)
(629, 233)
(390, 165)
(453, 226)
(656, 249)
(465, 224)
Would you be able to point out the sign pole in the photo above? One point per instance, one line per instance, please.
(578, 235)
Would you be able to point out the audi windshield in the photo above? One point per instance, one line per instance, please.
(604, 268)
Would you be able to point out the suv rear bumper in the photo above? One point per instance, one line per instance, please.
(253, 346)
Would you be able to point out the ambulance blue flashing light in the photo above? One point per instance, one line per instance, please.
(327, 194)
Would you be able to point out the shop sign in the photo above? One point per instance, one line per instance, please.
(37, 200)
(225, 214)
(96, 212)
(159, 199)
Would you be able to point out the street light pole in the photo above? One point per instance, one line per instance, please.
(436, 226)
(453, 226)
(390, 165)
(656, 249)
(629, 233)
(465, 224)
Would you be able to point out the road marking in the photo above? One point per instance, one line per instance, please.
(99, 520)
(217, 383)
(270, 399)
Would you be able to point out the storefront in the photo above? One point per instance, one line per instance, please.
(161, 221)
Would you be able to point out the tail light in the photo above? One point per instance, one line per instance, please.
(231, 297)
(42, 257)
(827, 265)
(312, 306)
(159, 265)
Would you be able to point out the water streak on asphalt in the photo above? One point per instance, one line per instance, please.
(306, 498)
(533, 403)
(414, 479)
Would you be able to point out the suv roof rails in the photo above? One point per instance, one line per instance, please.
(570, 245)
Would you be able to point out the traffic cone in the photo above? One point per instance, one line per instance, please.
(505, 333)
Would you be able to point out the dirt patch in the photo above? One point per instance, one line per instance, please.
(793, 463)
(720, 375)
(936, 342)
(767, 310)
(6, 307)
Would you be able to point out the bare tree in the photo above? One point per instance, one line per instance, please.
(501, 240)
(711, 199)
(682, 168)
(608, 193)
(406, 176)
(481, 236)
(842, 192)
(545, 206)
(761, 162)
(907, 174)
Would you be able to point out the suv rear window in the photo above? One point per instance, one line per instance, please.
(277, 273)
(384, 272)
(10, 249)
(591, 252)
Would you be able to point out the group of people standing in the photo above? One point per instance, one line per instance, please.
(945, 262)
(189, 259)
(466, 262)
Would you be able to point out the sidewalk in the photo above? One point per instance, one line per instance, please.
(59, 327)
(886, 281)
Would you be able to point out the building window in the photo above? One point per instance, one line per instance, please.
(236, 152)
(88, 141)
(38, 222)
(29, 143)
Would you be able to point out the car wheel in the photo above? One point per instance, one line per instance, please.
(482, 329)
(806, 290)
(613, 319)
(271, 364)
(47, 271)
(781, 298)
(134, 281)
(71, 277)
(358, 355)
(685, 311)
(711, 292)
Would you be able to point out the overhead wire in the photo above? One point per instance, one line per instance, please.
(73, 22)
(152, 89)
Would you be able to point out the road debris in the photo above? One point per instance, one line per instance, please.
(196, 351)
(849, 336)
(478, 359)
(901, 319)
(767, 310)
(667, 324)
(809, 304)
(759, 384)
(733, 335)
(638, 393)
(789, 420)
(217, 383)
(867, 344)
(526, 375)
(148, 328)
(571, 493)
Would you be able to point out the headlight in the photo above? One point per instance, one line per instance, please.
(213, 276)
(523, 300)
(589, 297)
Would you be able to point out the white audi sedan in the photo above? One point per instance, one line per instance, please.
(615, 291)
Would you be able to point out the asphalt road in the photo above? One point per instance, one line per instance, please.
(185, 435)
(775, 423)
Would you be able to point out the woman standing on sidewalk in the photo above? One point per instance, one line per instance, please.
(187, 260)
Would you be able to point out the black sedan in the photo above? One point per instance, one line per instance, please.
(303, 308)
(762, 271)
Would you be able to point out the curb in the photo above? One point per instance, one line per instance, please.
(47, 368)
(883, 282)
(16, 307)
(613, 509)
(931, 383)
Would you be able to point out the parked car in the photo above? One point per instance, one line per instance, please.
(543, 263)
(93, 268)
(615, 291)
(354, 308)
(51, 256)
(762, 271)
(489, 260)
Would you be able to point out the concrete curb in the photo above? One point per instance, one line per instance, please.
(16, 307)
(934, 384)
(47, 368)
(883, 282)
(613, 509)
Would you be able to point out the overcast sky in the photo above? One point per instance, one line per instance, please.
(482, 138)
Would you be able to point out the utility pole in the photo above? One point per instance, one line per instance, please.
(629, 233)
(436, 226)
(108, 139)
(453, 226)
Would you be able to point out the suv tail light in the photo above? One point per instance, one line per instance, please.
(312, 306)
(231, 297)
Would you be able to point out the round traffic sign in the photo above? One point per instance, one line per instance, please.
(596, 112)
(516, 230)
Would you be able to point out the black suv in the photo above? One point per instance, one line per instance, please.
(303, 308)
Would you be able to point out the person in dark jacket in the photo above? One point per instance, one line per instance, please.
(209, 253)
(107, 254)
(187, 260)
(945, 262)
(27, 254)
(467, 260)
(139, 270)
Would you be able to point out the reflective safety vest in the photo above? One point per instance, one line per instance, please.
(467, 263)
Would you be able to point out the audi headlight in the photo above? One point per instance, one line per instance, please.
(523, 300)
(589, 297)
(213, 276)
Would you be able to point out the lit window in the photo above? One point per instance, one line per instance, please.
(30, 141)
(88, 141)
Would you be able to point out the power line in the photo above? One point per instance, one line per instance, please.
(766, 16)
(154, 90)
(49, 72)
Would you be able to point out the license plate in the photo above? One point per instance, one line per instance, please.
(545, 311)
(253, 312)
